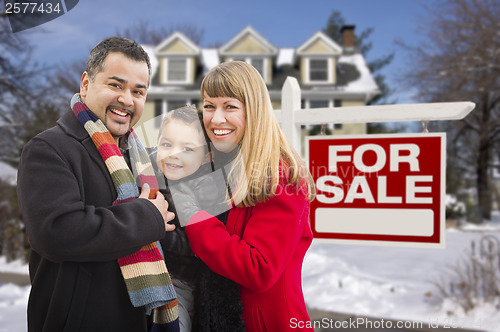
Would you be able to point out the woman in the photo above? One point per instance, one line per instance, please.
(267, 233)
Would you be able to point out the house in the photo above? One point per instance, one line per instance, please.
(329, 74)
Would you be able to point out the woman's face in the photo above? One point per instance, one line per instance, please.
(224, 119)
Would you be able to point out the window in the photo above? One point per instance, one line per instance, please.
(163, 106)
(173, 104)
(337, 103)
(323, 104)
(177, 70)
(158, 112)
(315, 104)
(318, 103)
(257, 63)
(158, 107)
(318, 70)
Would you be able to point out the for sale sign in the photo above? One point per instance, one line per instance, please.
(379, 189)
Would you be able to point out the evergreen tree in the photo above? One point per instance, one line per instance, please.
(333, 29)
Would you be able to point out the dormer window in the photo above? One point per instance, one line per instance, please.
(177, 70)
(318, 57)
(178, 57)
(318, 70)
(251, 47)
(257, 63)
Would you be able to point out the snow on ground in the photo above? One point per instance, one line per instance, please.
(13, 267)
(392, 282)
(13, 299)
(13, 302)
(376, 281)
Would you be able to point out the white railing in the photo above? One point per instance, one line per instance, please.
(291, 116)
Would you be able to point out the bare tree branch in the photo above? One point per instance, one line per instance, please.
(458, 60)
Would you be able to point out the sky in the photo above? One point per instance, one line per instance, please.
(284, 23)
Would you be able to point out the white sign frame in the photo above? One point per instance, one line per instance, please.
(398, 229)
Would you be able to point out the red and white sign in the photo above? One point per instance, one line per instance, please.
(379, 189)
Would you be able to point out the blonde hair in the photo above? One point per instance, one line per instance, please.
(264, 147)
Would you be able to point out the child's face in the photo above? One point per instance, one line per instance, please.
(181, 150)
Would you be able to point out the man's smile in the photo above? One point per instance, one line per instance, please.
(119, 111)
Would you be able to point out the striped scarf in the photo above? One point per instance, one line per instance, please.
(145, 273)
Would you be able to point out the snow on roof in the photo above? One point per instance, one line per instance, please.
(365, 82)
(209, 58)
(8, 173)
(286, 56)
(150, 50)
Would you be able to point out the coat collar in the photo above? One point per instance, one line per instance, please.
(72, 127)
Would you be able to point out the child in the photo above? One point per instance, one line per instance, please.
(184, 159)
(182, 147)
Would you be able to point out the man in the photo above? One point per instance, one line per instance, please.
(67, 197)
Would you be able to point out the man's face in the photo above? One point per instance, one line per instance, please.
(118, 93)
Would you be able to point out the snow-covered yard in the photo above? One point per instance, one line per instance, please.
(396, 282)
(386, 282)
(13, 299)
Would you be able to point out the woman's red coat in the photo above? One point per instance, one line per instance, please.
(262, 249)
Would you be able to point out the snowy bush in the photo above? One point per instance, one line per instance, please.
(454, 208)
(13, 241)
(476, 279)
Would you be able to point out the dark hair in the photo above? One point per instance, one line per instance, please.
(128, 47)
(188, 114)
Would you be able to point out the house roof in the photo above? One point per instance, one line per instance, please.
(245, 33)
(353, 76)
(150, 50)
(209, 58)
(331, 47)
(286, 56)
(178, 36)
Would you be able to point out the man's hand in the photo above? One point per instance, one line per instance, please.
(161, 204)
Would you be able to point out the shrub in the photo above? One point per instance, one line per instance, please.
(476, 278)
